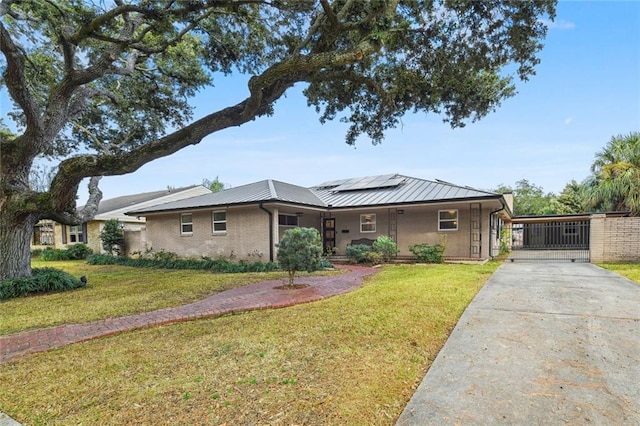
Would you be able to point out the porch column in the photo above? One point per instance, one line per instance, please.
(276, 233)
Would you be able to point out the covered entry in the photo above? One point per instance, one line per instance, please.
(550, 238)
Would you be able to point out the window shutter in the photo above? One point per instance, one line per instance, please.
(64, 234)
(85, 237)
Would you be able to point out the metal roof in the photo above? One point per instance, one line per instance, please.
(117, 203)
(356, 192)
(262, 191)
(394, 189)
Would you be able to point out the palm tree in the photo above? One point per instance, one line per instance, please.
(616, 175)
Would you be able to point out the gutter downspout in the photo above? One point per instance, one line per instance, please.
(270, 231)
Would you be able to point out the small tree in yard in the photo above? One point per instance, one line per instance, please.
(112, 237)
(300, 249)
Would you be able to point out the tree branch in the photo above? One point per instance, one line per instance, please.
(16, 82)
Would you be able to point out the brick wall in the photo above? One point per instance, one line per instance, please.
(247, 235)
(614, 239)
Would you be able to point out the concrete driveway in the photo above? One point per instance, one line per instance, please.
(542, 343)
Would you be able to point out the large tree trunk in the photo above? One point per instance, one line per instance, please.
(15, 245)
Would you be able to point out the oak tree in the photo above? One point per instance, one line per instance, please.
(102, 88)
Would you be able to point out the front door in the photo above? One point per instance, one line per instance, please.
(329, 235)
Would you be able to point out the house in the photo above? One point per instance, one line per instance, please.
(48, 233)
(246, 222)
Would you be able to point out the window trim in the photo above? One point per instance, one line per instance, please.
(182, 224)
(77, 232)
(214, 221)
(456, 220)
(374, 222)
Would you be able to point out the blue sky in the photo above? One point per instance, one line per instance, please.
(586, 90)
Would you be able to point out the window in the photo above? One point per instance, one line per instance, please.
(287, 220)
(75, 234)
(447, 220)
(43, 234)
(219, 222)
(367, 223)
(186, 224)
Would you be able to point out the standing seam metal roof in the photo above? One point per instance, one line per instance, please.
(400, 190)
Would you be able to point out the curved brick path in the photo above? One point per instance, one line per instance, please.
(240, 299)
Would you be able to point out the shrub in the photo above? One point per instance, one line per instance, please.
(41, 280)
(428, 253)
(300, 249)
(112, 236)
(324, 264)
(357, 253)
(78, 251)
(164, 256)
(386, 247)
(74, 252)
(168, 260)
(374, 257)
(49, 254)
(36, 252)
(505, 240)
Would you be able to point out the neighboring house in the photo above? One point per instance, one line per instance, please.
(247, 222)
(50, 234)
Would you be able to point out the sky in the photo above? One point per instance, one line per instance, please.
(586, 90)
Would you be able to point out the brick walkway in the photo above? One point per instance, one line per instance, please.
(240, 299)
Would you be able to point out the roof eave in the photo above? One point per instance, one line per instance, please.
(214, 206)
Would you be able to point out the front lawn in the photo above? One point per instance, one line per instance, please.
(114, 291)
(350, 359)
(629, 270)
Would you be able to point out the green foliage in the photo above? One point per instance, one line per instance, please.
(78, 251)
(36, 252)
(382, 250)
(300, 249)
(528, 199)
(324, 264)
(50, 254)
(386, 247)
(505, 240)
(41, 280)
(426, 253)
(359, 253)
(112, 236)
(214, 185)
(73, 252)
(572, 199)
(168, 260)
(615, 184)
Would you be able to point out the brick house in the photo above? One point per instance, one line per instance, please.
(246, 222)
(48, 233)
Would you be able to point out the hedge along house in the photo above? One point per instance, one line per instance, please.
(247, 222)
(51, 234)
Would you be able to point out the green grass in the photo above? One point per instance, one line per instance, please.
(351, 359)
(114, 291)
(629, 270)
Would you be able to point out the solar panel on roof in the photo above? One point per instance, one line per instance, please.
(370, 182)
